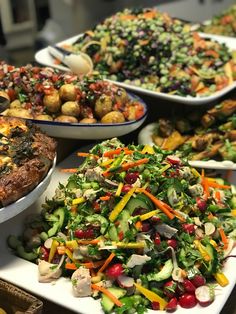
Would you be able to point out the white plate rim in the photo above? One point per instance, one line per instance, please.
(145, 137)
(43, 57)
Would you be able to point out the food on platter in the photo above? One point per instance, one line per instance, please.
(48, 94)
(136, 226)
(151, 50)
(221, 24)
(26, 156)
(211, 135)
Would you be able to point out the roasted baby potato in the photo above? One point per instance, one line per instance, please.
(71, 108)
(113, 117)
(45, 117)
(68, 92)
(52, 102)
(103, 105)
(64, 118)
(18, 112)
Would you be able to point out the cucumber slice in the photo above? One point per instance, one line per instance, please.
(13, 242)
(165, 273)
(123, 221)
(113, 234)
(99, 218)
(107, 303)
(140, 201)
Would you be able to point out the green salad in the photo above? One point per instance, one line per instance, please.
(135, 227)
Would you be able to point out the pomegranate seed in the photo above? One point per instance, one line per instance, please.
(155, 306)
(79, 233)
(187, 300)
(201, 204)
(173, 243)
(44, 253)
(126, 188)
(172, 305)
(189, 228)
(188, 286)
(145, 226)
(131, 177)
(157, 239)
(89, 233)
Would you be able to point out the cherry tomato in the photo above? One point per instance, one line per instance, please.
(188, 286)
(170, 288)
(187, 300)
(172, 305)
(115, 270)
(198, 280)
(155, 306)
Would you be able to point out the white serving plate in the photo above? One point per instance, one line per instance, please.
(24, 274)
(43, 57)
(145, 137)
(23, 203)
(89, 131)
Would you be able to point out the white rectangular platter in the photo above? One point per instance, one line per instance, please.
(43, 57)
(24, 274)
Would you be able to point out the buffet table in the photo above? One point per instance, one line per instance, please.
(67, 148)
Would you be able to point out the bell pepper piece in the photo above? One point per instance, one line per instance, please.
(151, 296)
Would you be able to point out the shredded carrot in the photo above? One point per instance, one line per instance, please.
(205, 183)
(178, 215)
(218, 196)
(69, 170)
(107, 293)
(217, 185)
(71, 266)
(210, 216)
(86, 242)
(138, 225)
(107, 262)
(157, 202)
(117, 151)
(105, 198)
(81, 154)
(223, 238)
(89, 265)
(136, 163)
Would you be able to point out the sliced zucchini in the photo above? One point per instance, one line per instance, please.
(163, 274)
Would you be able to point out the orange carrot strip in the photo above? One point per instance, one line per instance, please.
(71, 266)
(86, 242)
(217, 196)
(69, 170)
(81, 154)
(217, 185)
(157, 202)
(138, 225)
(223, 238)
(210, 216)
(117, 151)
(105, 198)
(107, 262)
(178, 215)
(129, 165)
(107, 293)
